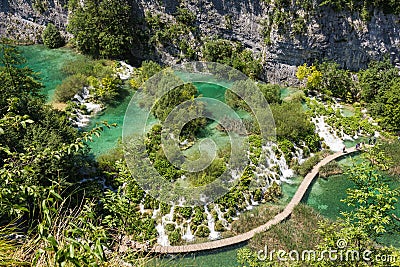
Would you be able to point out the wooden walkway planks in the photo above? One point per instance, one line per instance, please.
(298, 196)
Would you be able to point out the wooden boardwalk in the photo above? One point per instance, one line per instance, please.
(298, 196)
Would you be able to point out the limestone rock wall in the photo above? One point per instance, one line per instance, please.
(342, 37)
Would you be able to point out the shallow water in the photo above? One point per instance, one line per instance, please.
(325, 196)
(48, 64)
(224, 257)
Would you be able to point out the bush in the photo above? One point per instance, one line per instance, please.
(332, 168)
(202, 231)
(52, 37)
(69, 87)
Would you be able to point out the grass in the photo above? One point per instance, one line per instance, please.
(258, 216)
(297, 233)
(9, 249)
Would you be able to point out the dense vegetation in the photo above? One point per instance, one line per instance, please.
(99, 76)
(376, 88)
(371, 217)
(52, 37)
(102, 28)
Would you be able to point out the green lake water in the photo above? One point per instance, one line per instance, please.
(325, 196)
(224, 257)
(48, 64)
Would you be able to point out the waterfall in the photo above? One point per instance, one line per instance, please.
(162, 236)
(141, 208)
(248, 205)
(221, 215)
(124, 71)
(211, 225)
(299, 155)
(328, 134)
(155, 212)
(82, 98)
(188, 236)
(254, 203)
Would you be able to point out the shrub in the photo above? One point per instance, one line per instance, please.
(52, 37)
(202, 231)
(69, 87)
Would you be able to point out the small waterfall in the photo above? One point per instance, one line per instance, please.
(82, 98)
(188, 236)
(211, 225)
(124, 71)
(328, 134)
(141, 208)
(299, 155)
(155, 212)
(162, 236)
(221, 215)
(286, 171)
(248, 205)
(254, 203)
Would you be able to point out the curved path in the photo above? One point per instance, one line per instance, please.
(277, 219)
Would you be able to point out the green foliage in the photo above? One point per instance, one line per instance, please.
(291, 122)
(175, 236)
(212, 172)
(376, 79)
(232, 54)
(373, 204)
(292, 234)
(75, 239)
(308, 165)
(312, 76)
(121, 207)
(332, 168)
(337, 82)
(202, 231)
(174, 34)
(391, 6)
(52, 37)
(273, 193)
(9, 248)
(328, 79)
(102, 28)
(185, 16)
(99, 75)
(392, 150)
(106, 89)
(69, 87)
(142, 74)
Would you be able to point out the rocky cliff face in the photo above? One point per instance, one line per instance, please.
(339, 36)
(24, 20)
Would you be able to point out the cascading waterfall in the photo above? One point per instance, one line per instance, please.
(248, 205)
(188, 235)
(211, 225)
(299, 155)
(221, 216)
(162, 236)
(82, 120)
(141, 208)
(328, 134)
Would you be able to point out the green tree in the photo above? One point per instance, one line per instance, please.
(312, 76)
(337, 82)
(52, 37)
(102, 28)
(375, 80)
